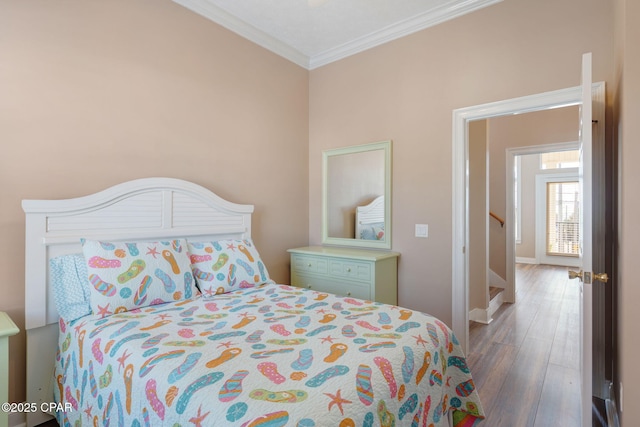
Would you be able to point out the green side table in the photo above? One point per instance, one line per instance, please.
(7, 329)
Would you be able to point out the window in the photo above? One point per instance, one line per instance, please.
(560, 159)
(563, 217)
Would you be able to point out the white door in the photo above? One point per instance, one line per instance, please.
(592, 246)
(586, 246)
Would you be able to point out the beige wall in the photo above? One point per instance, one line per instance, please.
(627, 128)
(530, 165)
(406, 91)
(478, 216)
(97, 93)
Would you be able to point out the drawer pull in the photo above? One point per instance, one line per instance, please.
(349, 270)
(309, 265)
(348, 294)
(308, 286)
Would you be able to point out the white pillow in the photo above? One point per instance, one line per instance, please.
(227, 265)
(125, 276)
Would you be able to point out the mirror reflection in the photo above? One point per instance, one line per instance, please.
(356, 195)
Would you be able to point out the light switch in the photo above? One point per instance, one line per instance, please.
(422, 230)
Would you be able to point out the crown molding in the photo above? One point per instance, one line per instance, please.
(451, 10)
(404, 28)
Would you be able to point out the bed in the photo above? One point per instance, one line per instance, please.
(237, 353)
(370, 220)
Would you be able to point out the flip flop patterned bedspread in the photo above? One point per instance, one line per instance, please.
(269, 356)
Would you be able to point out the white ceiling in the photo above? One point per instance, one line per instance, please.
(312, 33)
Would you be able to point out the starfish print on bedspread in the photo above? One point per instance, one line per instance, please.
(337, 400)
(122, 359)
(78, 328)
(419, 340)
(104, 311)
(328, 338)
(152, 251)
(197, 420)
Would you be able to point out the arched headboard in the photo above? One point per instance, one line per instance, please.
(369, 215)
(142, 209)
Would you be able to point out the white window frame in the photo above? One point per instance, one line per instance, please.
(568, 175)
(518, 198)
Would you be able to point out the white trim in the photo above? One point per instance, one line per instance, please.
(517, 177)
(525, 260)
(460, 258)
(485, 315)
(448, 11)
(495, 304)
(480, 315)
(496, 281)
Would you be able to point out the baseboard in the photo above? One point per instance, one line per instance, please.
(496, 281)
(525, 260)
(495, 304)
(17, 419)
(480, 315)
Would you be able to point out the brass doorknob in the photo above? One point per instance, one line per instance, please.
(575, 275)
(588, 277)
(603, 277)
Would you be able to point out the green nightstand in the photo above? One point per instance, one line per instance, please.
(7, 328)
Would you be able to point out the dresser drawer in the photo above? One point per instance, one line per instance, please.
(324, 284)
(356, 273)
(309, 264)
(350, 270)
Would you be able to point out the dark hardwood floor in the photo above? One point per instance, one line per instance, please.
(526, 362)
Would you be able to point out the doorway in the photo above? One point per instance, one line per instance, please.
(529, 352)
(461, 120)
(460, 253)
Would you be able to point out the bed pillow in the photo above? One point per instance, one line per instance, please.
(125, 276)
(70, 286)
(227, 265)
(372, 231)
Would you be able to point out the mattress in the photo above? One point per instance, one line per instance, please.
(268, 356)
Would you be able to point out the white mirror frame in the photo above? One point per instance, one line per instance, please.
(340, 241)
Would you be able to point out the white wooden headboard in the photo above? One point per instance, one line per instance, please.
(371, 213)
(143, 209)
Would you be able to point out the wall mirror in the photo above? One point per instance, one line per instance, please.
(356, 197)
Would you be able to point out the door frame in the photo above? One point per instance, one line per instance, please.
(460, 212)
